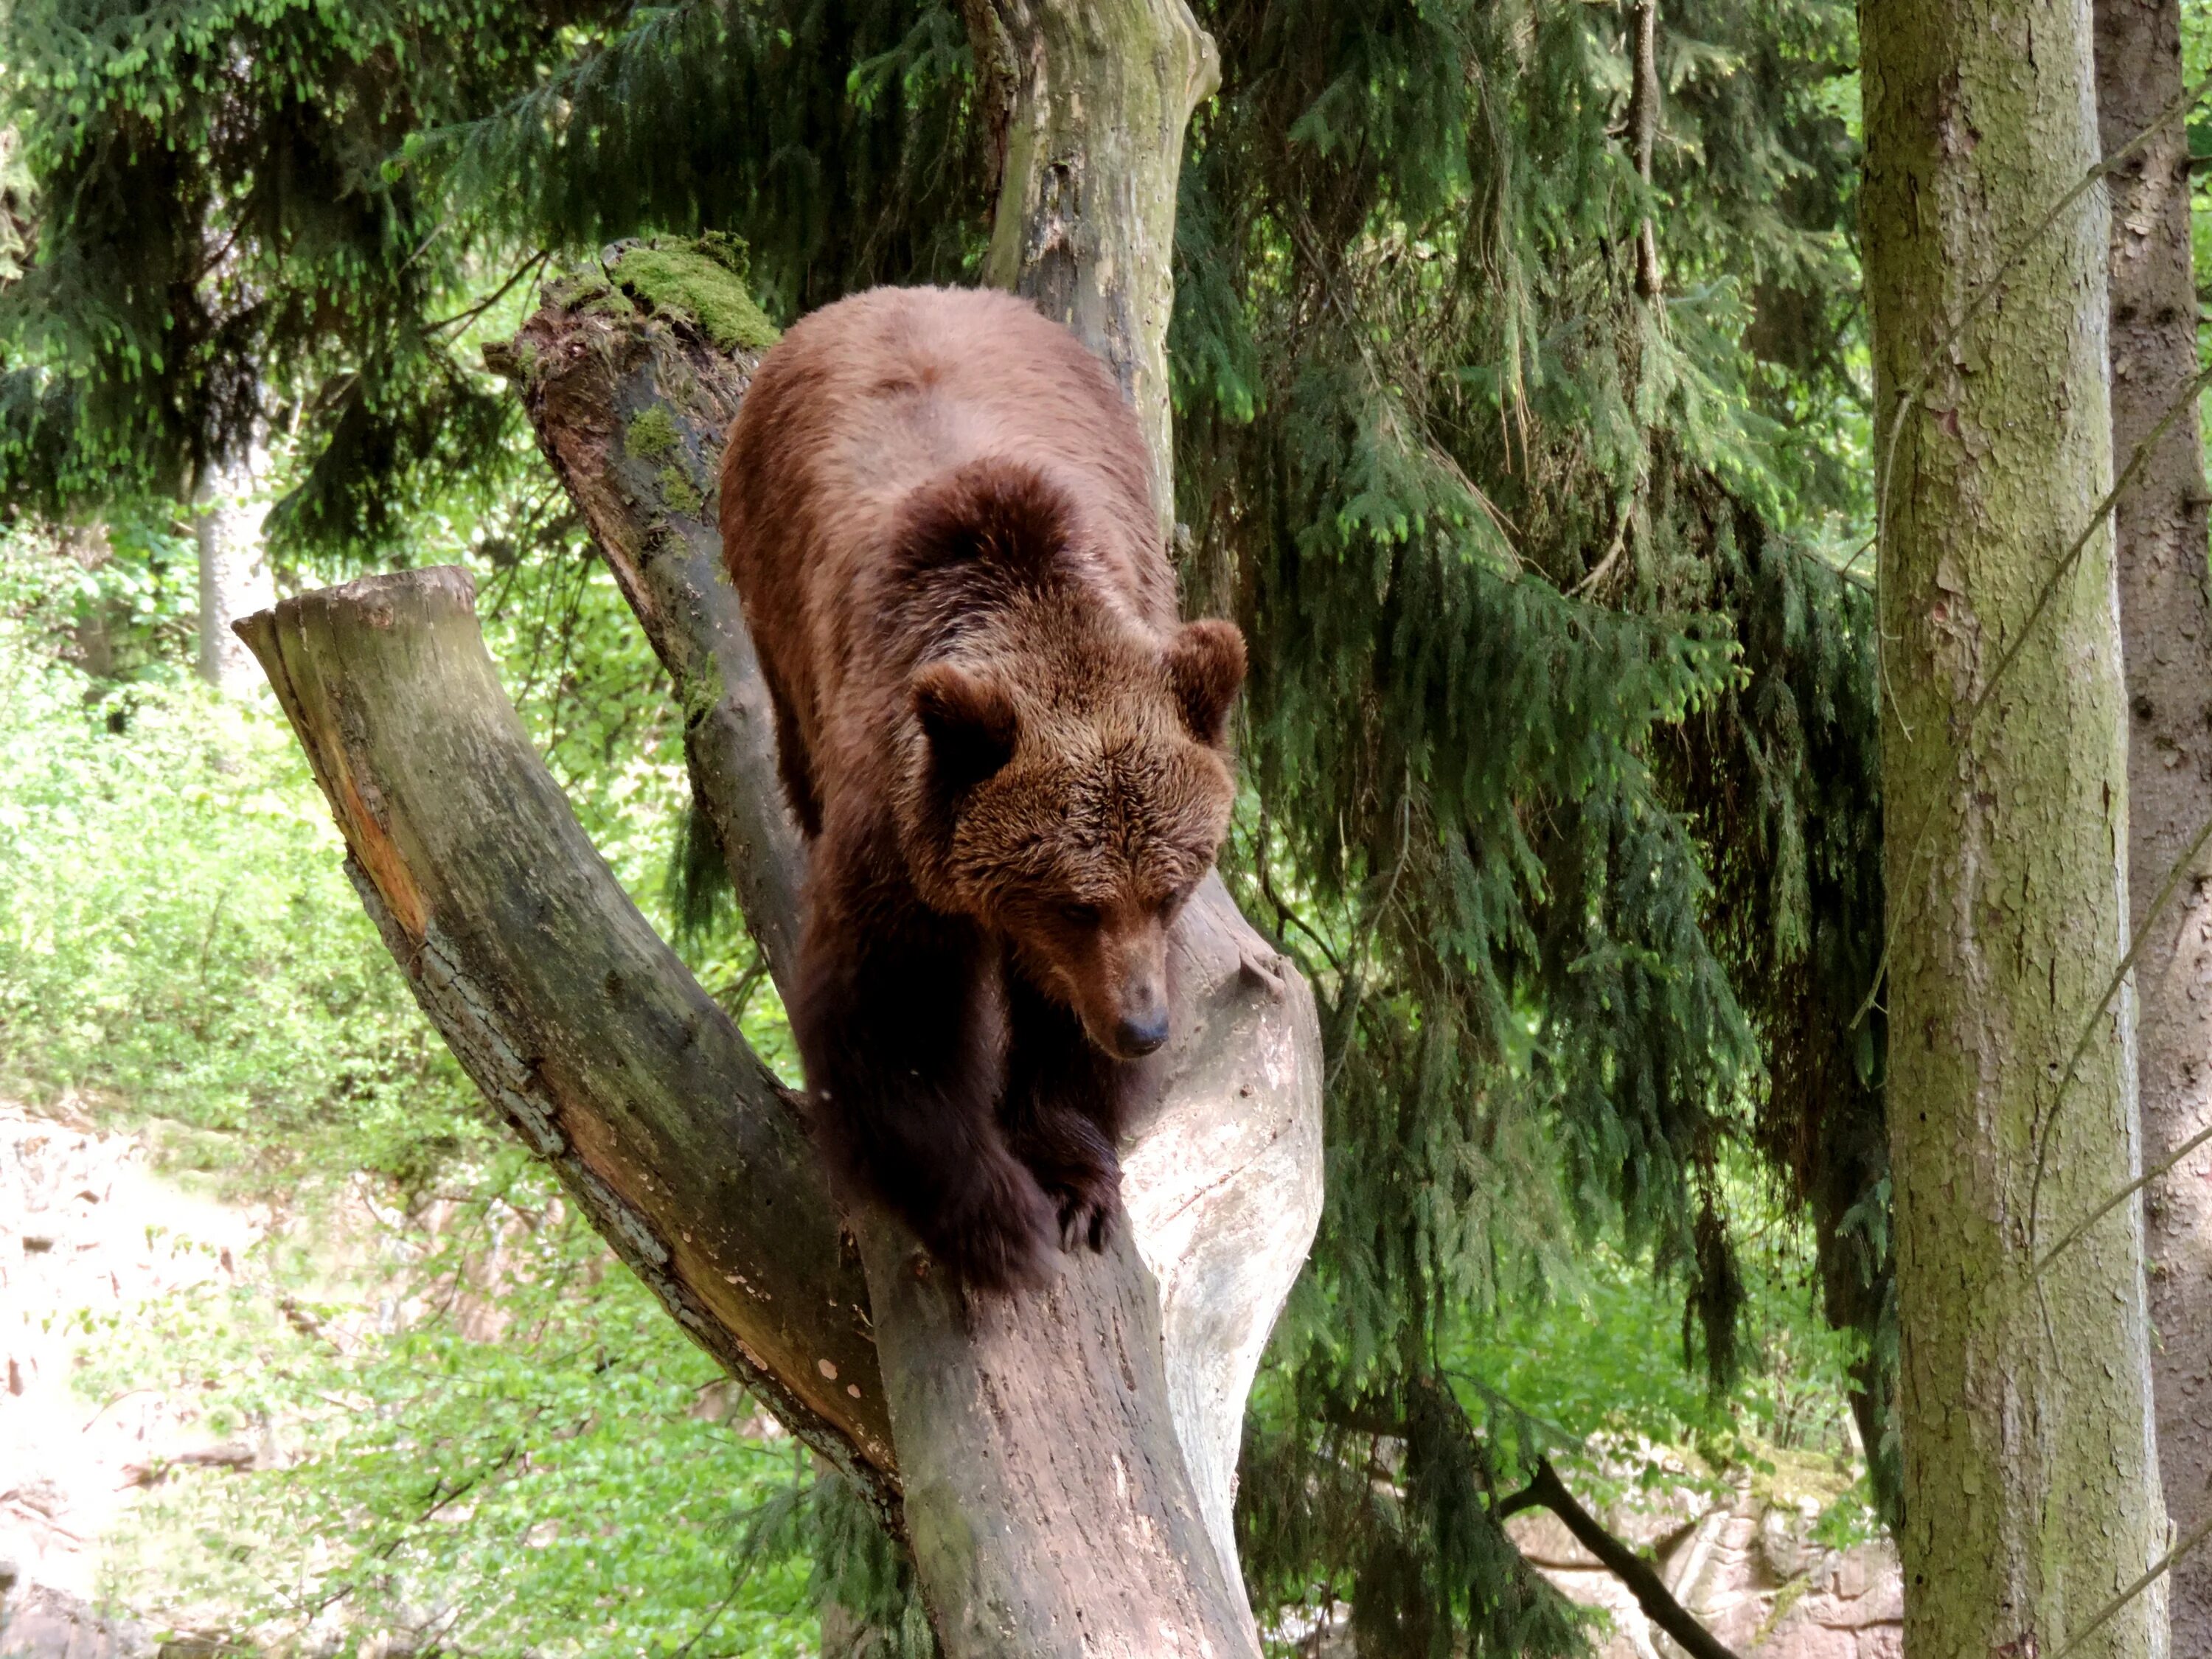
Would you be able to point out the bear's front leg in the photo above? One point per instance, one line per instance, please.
(1063, 1112)
(900, 1029)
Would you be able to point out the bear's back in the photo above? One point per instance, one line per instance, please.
(865, 402)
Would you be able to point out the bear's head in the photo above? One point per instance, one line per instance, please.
(1081, 791)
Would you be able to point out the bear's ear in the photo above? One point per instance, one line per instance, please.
(970, 722)
(1205, 666)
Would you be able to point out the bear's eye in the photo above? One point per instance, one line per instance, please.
(1168, 905)
(1079, 915)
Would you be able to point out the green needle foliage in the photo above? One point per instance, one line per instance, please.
(1562, 737)
(1559, 737)
(226, 246)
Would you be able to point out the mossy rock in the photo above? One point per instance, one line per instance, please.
(698, 283)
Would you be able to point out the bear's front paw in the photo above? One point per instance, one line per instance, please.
(1089, 1200)
(997, 1234)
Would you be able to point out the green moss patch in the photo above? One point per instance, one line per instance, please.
(570, 292)
(678, 494)
(652, 435)
(681, 279)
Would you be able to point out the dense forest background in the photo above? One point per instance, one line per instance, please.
(1559, 756)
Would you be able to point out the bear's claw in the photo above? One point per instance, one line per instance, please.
(1087, 1208)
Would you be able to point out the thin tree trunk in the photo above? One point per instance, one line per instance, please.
(2031, 1485)
(2165, 628)
(228, 510)
(1644, 133)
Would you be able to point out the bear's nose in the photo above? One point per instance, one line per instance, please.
(1142, 1032)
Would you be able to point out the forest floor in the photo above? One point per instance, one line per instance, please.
(95, 1224)
(89, 1231)
(139, 1279)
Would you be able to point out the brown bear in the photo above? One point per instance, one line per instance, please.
(1005, 752)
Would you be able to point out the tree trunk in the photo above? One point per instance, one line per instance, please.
(229, 510)
(1644, 133)
(2166, 633)
(2031, 1486)
(1088, 104)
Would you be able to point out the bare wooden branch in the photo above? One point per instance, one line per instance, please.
(567, 1010)
(1634, 1571)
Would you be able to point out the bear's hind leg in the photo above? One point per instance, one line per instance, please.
(901, 1030)
(1063, 1113)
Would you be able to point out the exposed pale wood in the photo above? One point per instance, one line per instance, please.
(564, 1006)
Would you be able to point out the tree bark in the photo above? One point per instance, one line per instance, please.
(2031, 1486)
(228, 510)
(1088, 104)
(2166, 630)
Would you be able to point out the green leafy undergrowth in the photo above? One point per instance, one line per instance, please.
(178, 938)
(482, 1437)
(478, 1432)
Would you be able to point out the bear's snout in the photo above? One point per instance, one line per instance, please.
(1117, 984)
(1143, 1025)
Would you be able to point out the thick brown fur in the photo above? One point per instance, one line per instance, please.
(1005, 748)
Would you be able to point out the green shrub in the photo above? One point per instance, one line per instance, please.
(178, 938)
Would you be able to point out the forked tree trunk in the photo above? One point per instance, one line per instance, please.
(2031, 1486)
(2166, 635)
(1062, 1464)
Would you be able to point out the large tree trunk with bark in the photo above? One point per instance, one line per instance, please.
(1061, 1464)
(2166, 633)
(2031, 1486)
